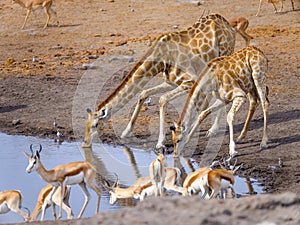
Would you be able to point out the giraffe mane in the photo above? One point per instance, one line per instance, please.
(129, 75)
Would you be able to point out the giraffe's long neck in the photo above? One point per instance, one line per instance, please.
(135, 80)
(196, 98)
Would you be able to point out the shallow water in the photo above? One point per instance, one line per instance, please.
(127, 163)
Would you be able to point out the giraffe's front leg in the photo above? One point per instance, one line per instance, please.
(143, 96)
(215, 127)
(236, 105)
(164, 99)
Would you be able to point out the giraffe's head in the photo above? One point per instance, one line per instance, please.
(92, 123)
(95, 117)
(177, 137)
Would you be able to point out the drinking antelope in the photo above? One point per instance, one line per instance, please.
(44, 202)
(11, 201)
(219, 180)
(192, 183)
(117, 192)
(81, 173)
(31, 5)
(171, 179)
(142, 187)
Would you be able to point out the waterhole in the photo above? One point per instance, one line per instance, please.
(111, 161)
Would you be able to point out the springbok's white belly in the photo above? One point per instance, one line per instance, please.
(76, 179)
(4, 208)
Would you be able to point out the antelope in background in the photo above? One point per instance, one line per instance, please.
(11, 201)
(31, 5)
(273, 3)
(240, 24)
(44, 202)
(81, 173)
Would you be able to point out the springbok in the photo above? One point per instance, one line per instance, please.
(219, 180)
(240, 24)
(192, 183)
(172, 176)
(11, 201)
(157, 173)
(81, 173)
(273, 3)
(44, 202)
(31, 5)
(142, 187)
(117, 192)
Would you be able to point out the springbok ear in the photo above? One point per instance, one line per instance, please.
(27, 154)
(237, 168)
(106, 184)
(40, 148)
(37, 154)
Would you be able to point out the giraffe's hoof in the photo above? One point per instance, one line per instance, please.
(263, 146)
(126, 134)
(176, 156)
(86, 145)
(232, 155)
(210, 134)
(160, 147)
(239, 140)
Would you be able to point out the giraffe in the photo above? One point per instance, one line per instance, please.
(228, 79)
(180, 56)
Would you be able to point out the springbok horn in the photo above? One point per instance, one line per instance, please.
(31, 150)
(237, 168)
(40, 148)
(105, 184)
(224, 168)
(226, 164)
(115, 184)
(235, 162)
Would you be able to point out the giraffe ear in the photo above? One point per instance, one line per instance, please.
(103, 113)
(173, 128)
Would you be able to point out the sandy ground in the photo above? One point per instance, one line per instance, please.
(90, 31)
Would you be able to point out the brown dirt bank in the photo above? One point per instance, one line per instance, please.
(264, 210)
